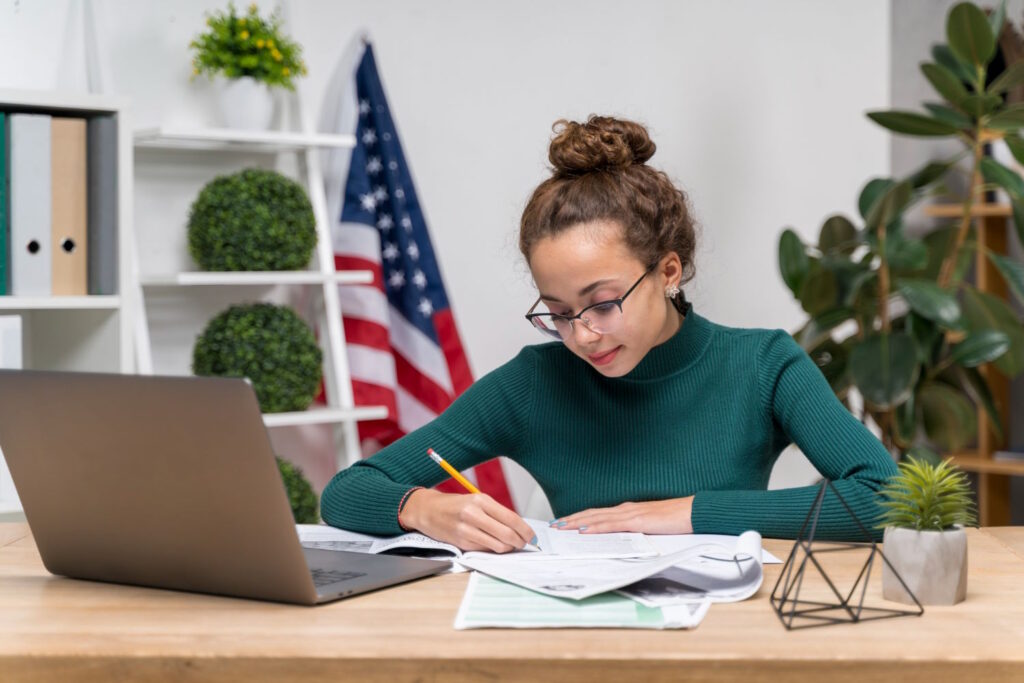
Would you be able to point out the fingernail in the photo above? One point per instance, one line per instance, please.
(533, 541)
(583, 528)
(561, 524)
(553, 521)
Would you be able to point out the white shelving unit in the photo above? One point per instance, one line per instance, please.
(228, 147)
(78, 333)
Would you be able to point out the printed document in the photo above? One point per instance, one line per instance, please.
(491, 603)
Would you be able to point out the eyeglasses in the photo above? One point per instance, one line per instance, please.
(600, 318)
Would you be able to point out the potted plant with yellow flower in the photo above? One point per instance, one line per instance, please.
(253, 55)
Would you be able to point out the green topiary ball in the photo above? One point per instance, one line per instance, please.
(252, 220)
(300, 493)
(271, 346)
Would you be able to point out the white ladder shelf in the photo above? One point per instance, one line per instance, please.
(340, 410)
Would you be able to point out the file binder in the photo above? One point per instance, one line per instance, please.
(29, 201)
(68, 207)
(102, 204)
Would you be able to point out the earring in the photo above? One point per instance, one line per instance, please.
(672, 292)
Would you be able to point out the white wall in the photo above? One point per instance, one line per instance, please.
(757, 109)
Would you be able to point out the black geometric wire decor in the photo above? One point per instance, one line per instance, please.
(787, 603)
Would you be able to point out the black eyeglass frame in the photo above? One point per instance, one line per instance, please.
(531, 316)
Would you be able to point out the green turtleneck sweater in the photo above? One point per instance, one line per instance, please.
(705, 413)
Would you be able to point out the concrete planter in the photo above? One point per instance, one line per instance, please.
(933, 564)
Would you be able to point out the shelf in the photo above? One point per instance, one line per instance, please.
(325, 416)
(227, 139)
(95, 302)
(970, 462)
(312, 277)
(956, 210)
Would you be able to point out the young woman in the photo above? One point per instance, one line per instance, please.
(640, 415)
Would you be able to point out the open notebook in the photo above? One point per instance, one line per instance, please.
(555, 544)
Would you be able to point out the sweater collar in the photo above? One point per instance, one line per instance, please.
(676, 353)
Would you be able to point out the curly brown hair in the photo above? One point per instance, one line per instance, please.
(600, 174)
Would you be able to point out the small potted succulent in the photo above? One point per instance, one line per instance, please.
(925, 509)
(252, 55)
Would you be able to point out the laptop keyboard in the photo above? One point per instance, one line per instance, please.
(324, 577)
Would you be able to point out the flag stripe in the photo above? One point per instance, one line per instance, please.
(403, 345)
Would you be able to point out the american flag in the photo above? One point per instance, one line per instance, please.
(403, 347)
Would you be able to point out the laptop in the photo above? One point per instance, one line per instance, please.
(168, 482)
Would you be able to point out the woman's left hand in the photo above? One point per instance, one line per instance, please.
(670, 516)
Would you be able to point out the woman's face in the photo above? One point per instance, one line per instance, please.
(590, 263)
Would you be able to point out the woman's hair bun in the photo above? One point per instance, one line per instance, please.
(601, 143)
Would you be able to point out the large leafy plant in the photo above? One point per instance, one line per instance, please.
(918, 332)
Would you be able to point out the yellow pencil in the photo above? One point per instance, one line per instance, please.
(468, 485)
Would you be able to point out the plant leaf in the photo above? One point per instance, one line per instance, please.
(1018, 217)
(889, 205)
(884, 367)
(948, 115)
(931, 301)
(984, 311)
(911, 123)
(1009, 79)
(872, 191)
(1016, 143)
(838, 235)
(948, 417)
(818, 328)
(945, 82)
(970, 35)
(977, 388)
(929, 173)
(944, 56)
(979, 105)
(793, 262)
(1009, 118)
(980, 347)
(1012, 271)
(994, 172)
(996, 19)
(819, 290)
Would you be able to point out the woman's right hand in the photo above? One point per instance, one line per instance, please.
(470, 521)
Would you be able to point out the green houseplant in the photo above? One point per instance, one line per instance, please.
(252, 54)
(925, 509)
(252, 220)
(301, 496)
(268, 344)
(916, 331)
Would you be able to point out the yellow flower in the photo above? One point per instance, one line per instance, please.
(277, 56)
(285, 71)
(260, 43)
(244, 35)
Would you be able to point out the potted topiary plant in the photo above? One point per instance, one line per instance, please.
(268, 344)
(252, 220)
(252, 55)
(925, 508)
(301, 496)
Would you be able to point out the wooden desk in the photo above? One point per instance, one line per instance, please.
(57, 629)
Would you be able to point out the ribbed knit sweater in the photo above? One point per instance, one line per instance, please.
(706, 413)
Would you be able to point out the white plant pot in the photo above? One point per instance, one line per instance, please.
(933, 564)
(245, 103)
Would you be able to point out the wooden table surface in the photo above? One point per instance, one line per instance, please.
(58, 629)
